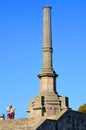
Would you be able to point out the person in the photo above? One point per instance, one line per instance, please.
(2, 117)
(8, 112)
(12, 112)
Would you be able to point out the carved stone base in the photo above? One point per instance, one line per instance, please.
(46, 105)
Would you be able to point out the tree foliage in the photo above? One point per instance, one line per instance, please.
(82, 108)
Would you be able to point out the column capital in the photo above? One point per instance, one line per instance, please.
(47, 6)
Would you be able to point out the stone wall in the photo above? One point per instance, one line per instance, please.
(18, 124)
(70, 120)
(67, 120)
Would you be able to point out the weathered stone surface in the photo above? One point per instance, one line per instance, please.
(48, 102)
(48, 111)
(20, 124)
(68, 120)
(65, 120)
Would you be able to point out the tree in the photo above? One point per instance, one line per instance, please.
(82, 108)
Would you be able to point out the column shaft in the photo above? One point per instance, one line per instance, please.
(47, 38)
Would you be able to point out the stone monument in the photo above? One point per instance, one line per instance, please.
(49, 110)
(48, 103)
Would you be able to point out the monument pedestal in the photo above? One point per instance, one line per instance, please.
(47, 104)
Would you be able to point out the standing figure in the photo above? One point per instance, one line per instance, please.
(12, 112)
(8, 112)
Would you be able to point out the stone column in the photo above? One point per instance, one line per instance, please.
(48, 102)
(47, 38)
(47, 49)
(47, 75)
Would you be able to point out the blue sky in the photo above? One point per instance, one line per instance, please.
(21, 51)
